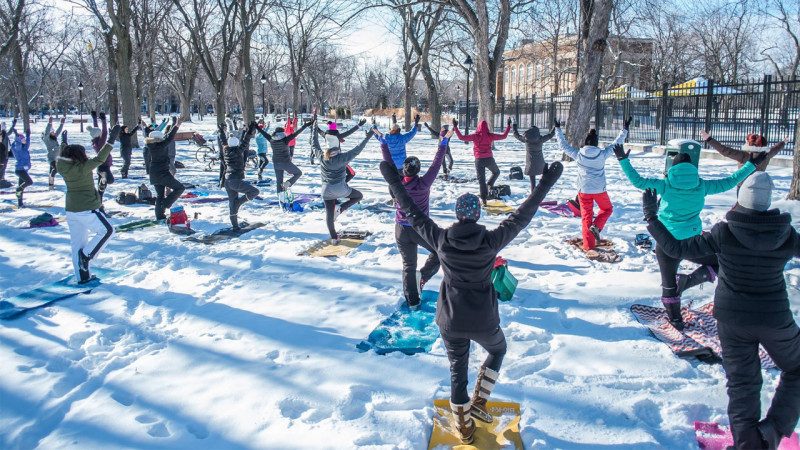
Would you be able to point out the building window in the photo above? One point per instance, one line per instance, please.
(530, 77)
(506, 83)
(513, 81)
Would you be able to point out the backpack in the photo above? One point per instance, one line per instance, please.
(144, 194)
(178, 217)
(515, 173)
(502, 190)
(124, 198)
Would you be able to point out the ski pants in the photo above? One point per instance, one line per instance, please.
(407, 242)
(162, 202)
(81, 225)
(24, 180)
(447, 162)
(146, 156)
(53, 172)
(234, 187)
(262, 163)
(669, 269)
(126, 154)
(354, 197)
(743, 370)
(457, 345)
(289, 168)
(587, 202)
(481, 164)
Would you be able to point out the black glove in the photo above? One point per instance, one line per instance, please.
(556, 123)
(508, 122)
(94, 114)
(174, 120)
(362, 122)
(390, 173)
(221, 127)
(102, 116)
(252, 128)
(455, 123)
(64, 137)
(627, 123)
(551, 174)
(758, 158)
(416, 120)
(650, 204)
(113, 134)
(619, 150)
(516, 128)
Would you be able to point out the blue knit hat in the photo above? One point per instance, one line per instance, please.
(468, 208)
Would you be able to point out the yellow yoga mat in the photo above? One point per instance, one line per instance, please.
(324, 249)
(496, 207)
(502, 433)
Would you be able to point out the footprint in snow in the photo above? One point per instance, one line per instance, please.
(29, 368)
(123, 398)
(354, 404)
(648, 412)
(197, 430)
(292, 408)
(159, 430)
(146, 418)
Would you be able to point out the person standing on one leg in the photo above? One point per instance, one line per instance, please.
(261, 144)
(20, 147)
(291, 125)
(126, 149)
(534, 159)
(447, 162)
(482, 141)
(282, 157)
(467, 307)
(234, 160)
(161, 176)
(99, 136)
(751, 306)
(591, 161)
(50, 139)
(419, 188)
(683, 195)
(83, 203)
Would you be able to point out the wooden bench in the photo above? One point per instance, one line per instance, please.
(80, 121)
(184, 136)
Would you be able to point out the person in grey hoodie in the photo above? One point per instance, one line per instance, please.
(534, 159)
(591, 161)
(50, 139)
(333, 172)
(282, 157)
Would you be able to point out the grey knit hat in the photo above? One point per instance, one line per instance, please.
(94, 132)
(756, 192)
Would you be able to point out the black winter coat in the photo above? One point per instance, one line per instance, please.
(280, 143)
(467, 251)
(159, 158)
(534, 159)
(3, 147)
(125, 140)
(753, 249)
(235, 158)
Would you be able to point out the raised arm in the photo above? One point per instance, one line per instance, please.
(510, 227)
(353, 130)
(104, 132)
(500, 137)
(633, 176)
(608, 152)
(462, 137)
(565, 147)
(223, 138)
(518, 136)
(693, 247)
(351, 155)
(297, 132)
(736, 155)
(433, 132)
(249, 132)
(725, 184)
(265, 134)
(48, 129)
(60, 127)
(410, 135)
(102, 155)
(422, 224)
(436, 165)
(547, 137)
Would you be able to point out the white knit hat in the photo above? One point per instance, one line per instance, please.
(157, 135)
(233, 142)
(94, 132)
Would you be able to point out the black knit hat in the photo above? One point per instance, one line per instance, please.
(681, 158)
(411, 166)
(591, 138)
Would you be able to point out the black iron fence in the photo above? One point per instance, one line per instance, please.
(728, 111)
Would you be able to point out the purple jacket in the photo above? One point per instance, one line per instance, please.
(418, 187)
(98, 143)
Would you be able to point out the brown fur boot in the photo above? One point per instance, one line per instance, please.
(465, 426)
(483, 389)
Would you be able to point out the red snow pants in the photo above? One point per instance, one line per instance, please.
(587, 215)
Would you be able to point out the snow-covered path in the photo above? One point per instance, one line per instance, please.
(243, 344)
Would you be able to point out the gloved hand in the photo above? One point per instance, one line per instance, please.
(416, 120)
(650, 204)
(390, 173)
(102, 116)
(556, 123)
(174, 120)
(619, 150)
(516, 128)
(94, 114)
(627, 123)
(455, 123)
(113, 134)
(508, 122)
(64, 137)
(252, 128)
(758, 158)
(362, 122)
(551, 173)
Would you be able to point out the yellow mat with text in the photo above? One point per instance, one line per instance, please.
(502, 433)
(496, 207)
(324, 249)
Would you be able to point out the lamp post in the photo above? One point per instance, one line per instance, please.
(468, 62)
(263, 103)
(302, 105)
(80, 106)
(458, 102)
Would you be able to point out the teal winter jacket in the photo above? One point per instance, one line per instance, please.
(683, 194)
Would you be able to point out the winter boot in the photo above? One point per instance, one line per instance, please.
(483, 389)
(420, 282)
(83, 268)
(51, 182)
(770, 437)
(19, 198)
(286, 185)
(700, 275)
(464, 425)
(595, 231)
(673, 307)
(234, 221)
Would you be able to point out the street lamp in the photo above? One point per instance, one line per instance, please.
(458, 101)
(80, 106)
(302, 108)
(263, 104)
(468, 63)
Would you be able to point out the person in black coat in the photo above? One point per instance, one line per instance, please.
(234, 160)
(534, 159)
(751, 306)
(3, 156)
(146, 149)
(126, 148)
(467, 305)
(160, 175)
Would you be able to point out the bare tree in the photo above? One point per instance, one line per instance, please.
(670, 33)
(149, 20)
(10, 18)
(548, 25)
(421, 27)
(181, 66)
(784, 55)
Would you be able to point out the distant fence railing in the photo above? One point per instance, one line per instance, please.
(729, 111)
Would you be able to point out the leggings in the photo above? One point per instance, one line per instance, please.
(24, 181)
(457, 346)
(53, 173)
(669, 270)
(533, 182)
(162, 202)
(233, 187)
(289, 168)
(447, 162)
(481, 165)
(104, 178)
(262, 163)
(330, 207)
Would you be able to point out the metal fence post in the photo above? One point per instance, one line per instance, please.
(709, 105)
(502, 110)
(533, 110)
(663, 119)
(597, 113)
(765, 105)
(516, 120)
(552, 108)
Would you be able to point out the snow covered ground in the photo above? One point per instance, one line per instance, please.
(243, 344)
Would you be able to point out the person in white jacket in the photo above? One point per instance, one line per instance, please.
(591, 161)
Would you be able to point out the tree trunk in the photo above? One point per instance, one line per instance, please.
(794, 189)
(219, 105)
(127, 88)
(408, 98)
(151, 93)
(248, 107)
(20, 90)
(590, 63)
(113, 102)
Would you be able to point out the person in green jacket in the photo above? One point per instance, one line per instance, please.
(84, 203)
(683, 196)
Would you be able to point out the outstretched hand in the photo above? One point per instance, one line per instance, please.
(551, 173)
(556, 123)
(619, 151)
(758, 158)
(114, 134)
(455, 123)
(416, 120)
(705, 135)
(650, 204)
(516, 128)
(508, 122)
(94, 114)
(64, 137)
(390, 173)
(626, 125)
(102, 116)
